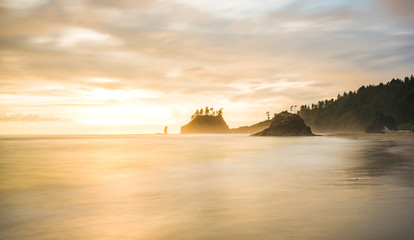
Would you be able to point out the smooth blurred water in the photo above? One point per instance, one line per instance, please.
(204, 187)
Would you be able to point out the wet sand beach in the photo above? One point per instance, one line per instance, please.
(344, 186)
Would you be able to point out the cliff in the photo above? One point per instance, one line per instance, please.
(286, 124)
(206, 124)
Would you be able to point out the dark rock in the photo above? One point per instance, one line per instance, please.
(240, 130)
(251, 129)
(381, 124)
(206, 124)
(286, 124)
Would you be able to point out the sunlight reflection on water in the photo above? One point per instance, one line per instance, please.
(203, 187)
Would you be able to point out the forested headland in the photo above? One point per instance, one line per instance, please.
(354, 110)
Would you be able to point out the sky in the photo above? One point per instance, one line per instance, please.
(107, 67)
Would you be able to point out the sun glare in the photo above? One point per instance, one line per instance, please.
(120, 95)
(125, 114)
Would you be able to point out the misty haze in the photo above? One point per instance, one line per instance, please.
(184, 119)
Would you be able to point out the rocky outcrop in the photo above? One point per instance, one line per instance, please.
(206, 124)
(251, 129)
(381, 124)
(286, 124)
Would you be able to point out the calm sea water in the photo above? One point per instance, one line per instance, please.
(204, 187)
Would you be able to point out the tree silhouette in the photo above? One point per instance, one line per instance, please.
(207, 112)
(268, 115)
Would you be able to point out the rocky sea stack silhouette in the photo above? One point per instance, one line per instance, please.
(206, 124)
(286, 124)
(381, 124)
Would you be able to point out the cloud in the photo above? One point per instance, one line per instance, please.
(398, 8)
(75, 36)
(246, 53)
(19, 117)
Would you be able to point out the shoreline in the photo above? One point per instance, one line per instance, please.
(402, 142)
(396, 136)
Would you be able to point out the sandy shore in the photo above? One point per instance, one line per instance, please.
(402, 143)
(394, 136)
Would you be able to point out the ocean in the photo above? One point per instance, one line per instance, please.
(204, 187)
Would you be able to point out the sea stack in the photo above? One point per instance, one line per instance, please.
(206, 124)
(381, 124)
(286, 124)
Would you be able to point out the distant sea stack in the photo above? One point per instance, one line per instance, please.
(286, 124)
(206, 121)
